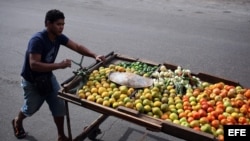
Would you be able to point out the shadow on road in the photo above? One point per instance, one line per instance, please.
(30, 138)
(145, 135)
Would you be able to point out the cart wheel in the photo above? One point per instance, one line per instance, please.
(94, 133)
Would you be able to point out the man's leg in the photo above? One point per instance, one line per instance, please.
(17, 124)
(19, 120)
(57, 108)
(59, 121)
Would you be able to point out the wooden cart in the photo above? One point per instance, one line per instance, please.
(131, 115)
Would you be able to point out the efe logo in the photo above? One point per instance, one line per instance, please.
(236, 132)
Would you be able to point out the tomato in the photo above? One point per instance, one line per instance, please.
(204, 106)
(182, 114)
(215, 123)
(239, 102)
(164, 116)
(210, 117)
(223, 121)
(208, 91)
(219, 110)
(202, 113)
(231, 119)
(220, 138)
(242, 120)
(185, 98)
(204, 120)
(215, 113)
(195, 115)
(244, 109)
(197, 128)
(216, 91)
(223, 93)
(196, 92)
(190, 119)
(203, 100)
(187, 108)
(221, 116)
(228, 87)
(219, 102)
(220, 106)
(210, 109)
(247, 93)
(186, 103)
(219, 85)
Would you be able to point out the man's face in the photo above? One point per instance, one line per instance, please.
(56, 27)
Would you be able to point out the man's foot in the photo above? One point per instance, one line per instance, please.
(63, 138)
(19, 132)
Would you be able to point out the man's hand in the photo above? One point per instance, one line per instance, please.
(65, 63)
(100, 58)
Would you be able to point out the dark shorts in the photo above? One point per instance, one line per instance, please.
(33, 100)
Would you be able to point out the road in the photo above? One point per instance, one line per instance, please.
(210, 36)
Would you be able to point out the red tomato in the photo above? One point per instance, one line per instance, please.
(231, 119)
(164, 116)
(216, 91)
(210, 109)
(202, 113)
(190, 119)
(244, 109)
(195, 115)
(182, 114)
(208, 91)
(197, 128)
(203, 100)
(219, 110)
(220, 138)
(220, 106)
(219, 85)
(215, 113)
(204, 106)
(215, 123)
(185, 98)
(186, 103)
(223, 93)
(221, 116)
(223, 121)
(242, 120)
(196, 92)
(239, 102)
(247, 93)
(210, 117)
(228, 87)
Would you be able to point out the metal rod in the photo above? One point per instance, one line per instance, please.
(94, 125)
(68, 120)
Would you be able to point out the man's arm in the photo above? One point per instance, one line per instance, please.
(83, 50)
(37, 65)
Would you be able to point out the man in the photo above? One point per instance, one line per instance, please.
(37, 73)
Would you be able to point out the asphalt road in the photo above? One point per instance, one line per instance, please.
(210, 36)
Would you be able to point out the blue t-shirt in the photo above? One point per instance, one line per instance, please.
(41, 44)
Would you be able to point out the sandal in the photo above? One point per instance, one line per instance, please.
(19, 132)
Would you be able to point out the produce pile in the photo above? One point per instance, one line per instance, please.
(175, 96)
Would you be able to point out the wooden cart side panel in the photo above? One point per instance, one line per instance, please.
(149, 62)
(170, 66)
(213, 79)
(185, 132)
(110, 111)
(140, 119)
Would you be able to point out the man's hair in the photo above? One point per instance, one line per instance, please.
(53, 15)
